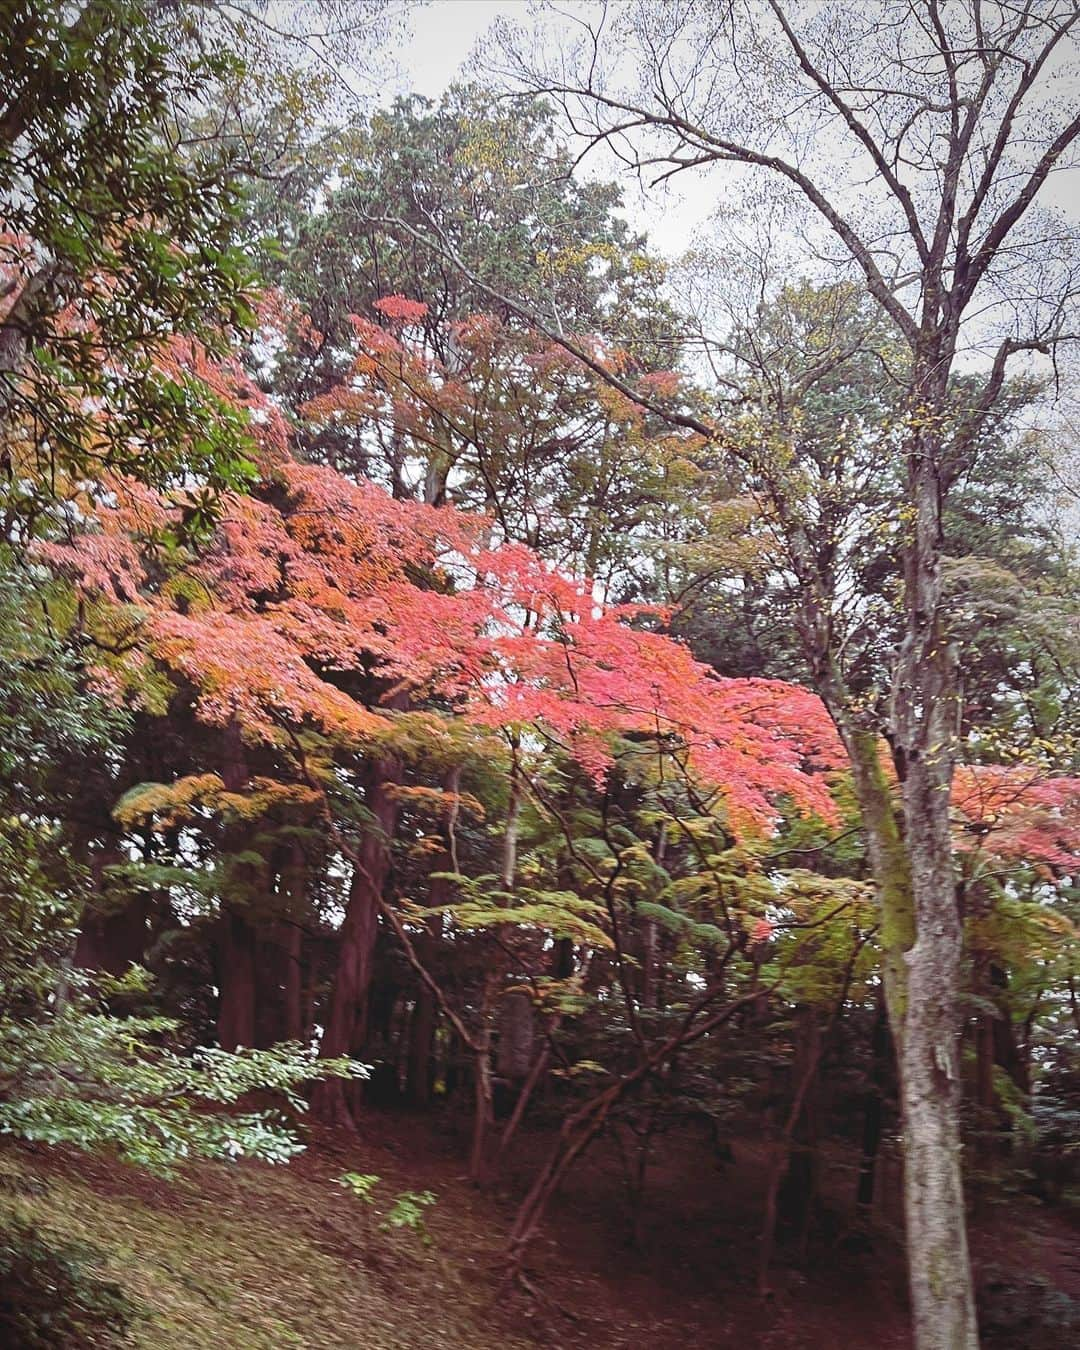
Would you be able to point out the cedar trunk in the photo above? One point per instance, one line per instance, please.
(356, 943)
(236, 982)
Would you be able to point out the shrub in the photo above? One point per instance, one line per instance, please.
(52, 1298)
(1018, 1310)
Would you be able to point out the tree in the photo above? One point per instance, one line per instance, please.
(557, 460)
(71, 1070)
(335, 237)
(330, 637)
(117, 271)
(115, 240)
(951, 116)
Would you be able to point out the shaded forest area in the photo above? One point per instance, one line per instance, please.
(539, 779)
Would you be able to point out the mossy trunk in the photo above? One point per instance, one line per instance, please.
(921, 946)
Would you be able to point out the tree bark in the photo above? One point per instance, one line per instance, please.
(346, 1016)
(923, 718)
(913, 871)
(236, 941)
(290, 936)
(110, 939)
(483, 1108)
(292, 949)
(420, 1075)
(236, 981)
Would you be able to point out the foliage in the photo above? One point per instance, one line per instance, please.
(1017, 1310)
(116, 241)
(557, 459)
(378, 675)
(406, 1210)
(51, 1297)
(70, 1070)
(337, 248)
(360, 1184)
(96, 1081)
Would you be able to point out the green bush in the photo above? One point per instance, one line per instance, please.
(1023, 1311)
(51, 1298)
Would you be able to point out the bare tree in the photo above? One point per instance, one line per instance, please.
(925, 137)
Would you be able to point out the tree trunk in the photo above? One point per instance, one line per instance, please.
(923, 718)
(293, 951)
(290, 934)
(943, 1308)
(113, 942)
(873, 1113)
(110, 939)
(516, 1021)
(807, 1058)
(798, 1189)
(480, 1163)
(420, 1077)
(914, 876)
(236, 982)
(236, 946)
(536, 1073)
(346, 1016)
(483, 1109)
(421, 1070)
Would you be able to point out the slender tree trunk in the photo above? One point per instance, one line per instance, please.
(873, 1113)
(484, 1117)
(420, 1076)
(483, 1108)
(808, 1056)
(582, 1127)
(290, 936)
(649, 935)
(236, 944)
(562, 967)
(422, 1024)
(798, 1190)
(539, 1067)
(984, 1084)
(295, 1028)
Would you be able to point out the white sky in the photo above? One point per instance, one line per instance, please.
(442, 36)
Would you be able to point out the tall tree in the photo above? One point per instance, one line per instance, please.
(923, 139)
(336, 234)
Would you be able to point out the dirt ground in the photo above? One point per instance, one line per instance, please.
(248, 1257)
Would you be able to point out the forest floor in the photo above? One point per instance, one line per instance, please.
(249, 1257)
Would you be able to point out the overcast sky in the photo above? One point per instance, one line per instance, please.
(442, 36)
